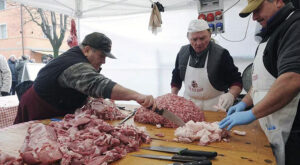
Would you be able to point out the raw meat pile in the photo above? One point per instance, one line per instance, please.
(80, 139)
(103, 108)
(6, 159)
(40, 145)
(184, 109)
(205, 132)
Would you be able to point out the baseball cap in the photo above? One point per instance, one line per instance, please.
(197, 25)
(100, 42)
(252, 5)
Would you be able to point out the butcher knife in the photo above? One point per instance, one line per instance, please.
(204, 162)
(178, 158)
(170, 116)
(128, 117)
(182, 151)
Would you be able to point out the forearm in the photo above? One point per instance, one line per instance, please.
(121, 93)
(175, 90)
(284, 89)
(235, 91)
(248, 99)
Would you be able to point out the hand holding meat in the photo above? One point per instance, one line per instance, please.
(241, 106)
(226, 100)
(146, 101)
(238, 118)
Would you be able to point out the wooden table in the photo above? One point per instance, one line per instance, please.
(251, 149)
(241, 150)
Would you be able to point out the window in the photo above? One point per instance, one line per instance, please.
(2, 4)
(3, 32)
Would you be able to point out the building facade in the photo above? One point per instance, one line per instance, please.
(29, 38)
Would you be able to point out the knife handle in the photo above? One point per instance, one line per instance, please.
(204, 162)
(183, 158)
(198, 153)
(158, 111)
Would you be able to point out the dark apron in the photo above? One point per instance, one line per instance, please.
(32, 107)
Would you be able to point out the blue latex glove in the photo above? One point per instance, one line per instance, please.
(238, 118)
(241, 106)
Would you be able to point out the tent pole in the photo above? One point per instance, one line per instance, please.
(78, 27)
(22, 29)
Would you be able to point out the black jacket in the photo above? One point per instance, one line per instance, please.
(222, 73)
(48, 88)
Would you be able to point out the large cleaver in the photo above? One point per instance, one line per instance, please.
(170, 116)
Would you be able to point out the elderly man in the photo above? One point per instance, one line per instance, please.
(64, 84)
(275, 79)
(5, 77)
(207, 70)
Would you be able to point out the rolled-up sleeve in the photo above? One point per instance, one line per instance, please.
(84, 78)
(289, 51)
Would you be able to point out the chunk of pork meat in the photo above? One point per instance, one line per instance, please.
(40, 146)
(103, 109)
(205, 132)
(6, 159)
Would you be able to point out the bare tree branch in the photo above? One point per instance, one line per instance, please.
(45, 25)
(32, 17)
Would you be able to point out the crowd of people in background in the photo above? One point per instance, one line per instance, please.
(11, 71)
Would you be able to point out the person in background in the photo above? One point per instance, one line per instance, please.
(5, 77)
(32, 60)
(207, 70)
(20, 66)
(275, 91)
(12, 66)
(65, 83)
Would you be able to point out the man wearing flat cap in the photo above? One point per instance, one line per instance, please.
(211, 79)
(275, 88)
(65, 83)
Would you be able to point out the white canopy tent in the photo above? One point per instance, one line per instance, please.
(143, 57)
(102, 8)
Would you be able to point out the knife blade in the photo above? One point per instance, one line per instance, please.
(128, 117)
(204, 162)
(170, 116)
(179, 158)
(182, 151)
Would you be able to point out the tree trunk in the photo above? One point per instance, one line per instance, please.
(50, 28)
(55, 51)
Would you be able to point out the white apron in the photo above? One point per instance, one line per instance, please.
(277, 126)
(198, 88)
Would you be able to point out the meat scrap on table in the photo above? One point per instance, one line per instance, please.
(82, 138)
(103, 108)
(184, 109)
(205, 132)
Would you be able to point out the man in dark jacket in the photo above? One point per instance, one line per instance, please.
(12, 66)
(65, 83)
(20, 67)
(207, 70)
(275, 91)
